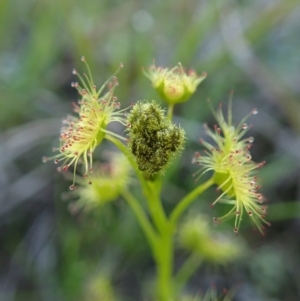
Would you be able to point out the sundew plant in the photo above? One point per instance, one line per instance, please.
(149, 145)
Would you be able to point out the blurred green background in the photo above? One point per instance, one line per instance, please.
(252, 47)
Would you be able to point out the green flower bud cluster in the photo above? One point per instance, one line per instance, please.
(153, 139)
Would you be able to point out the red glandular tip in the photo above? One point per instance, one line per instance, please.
(72, 187)
(261, 164)
(44, 159)
(191, 72)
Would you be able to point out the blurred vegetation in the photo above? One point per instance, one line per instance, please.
(46, 252)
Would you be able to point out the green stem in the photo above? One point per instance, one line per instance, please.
(164, 263)
(170, 111)
(187, 270)
(155, 205)
(187, 200)
(142, 219)
(162, 245)
(165, 248)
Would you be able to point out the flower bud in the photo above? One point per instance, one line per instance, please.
(175, 85)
